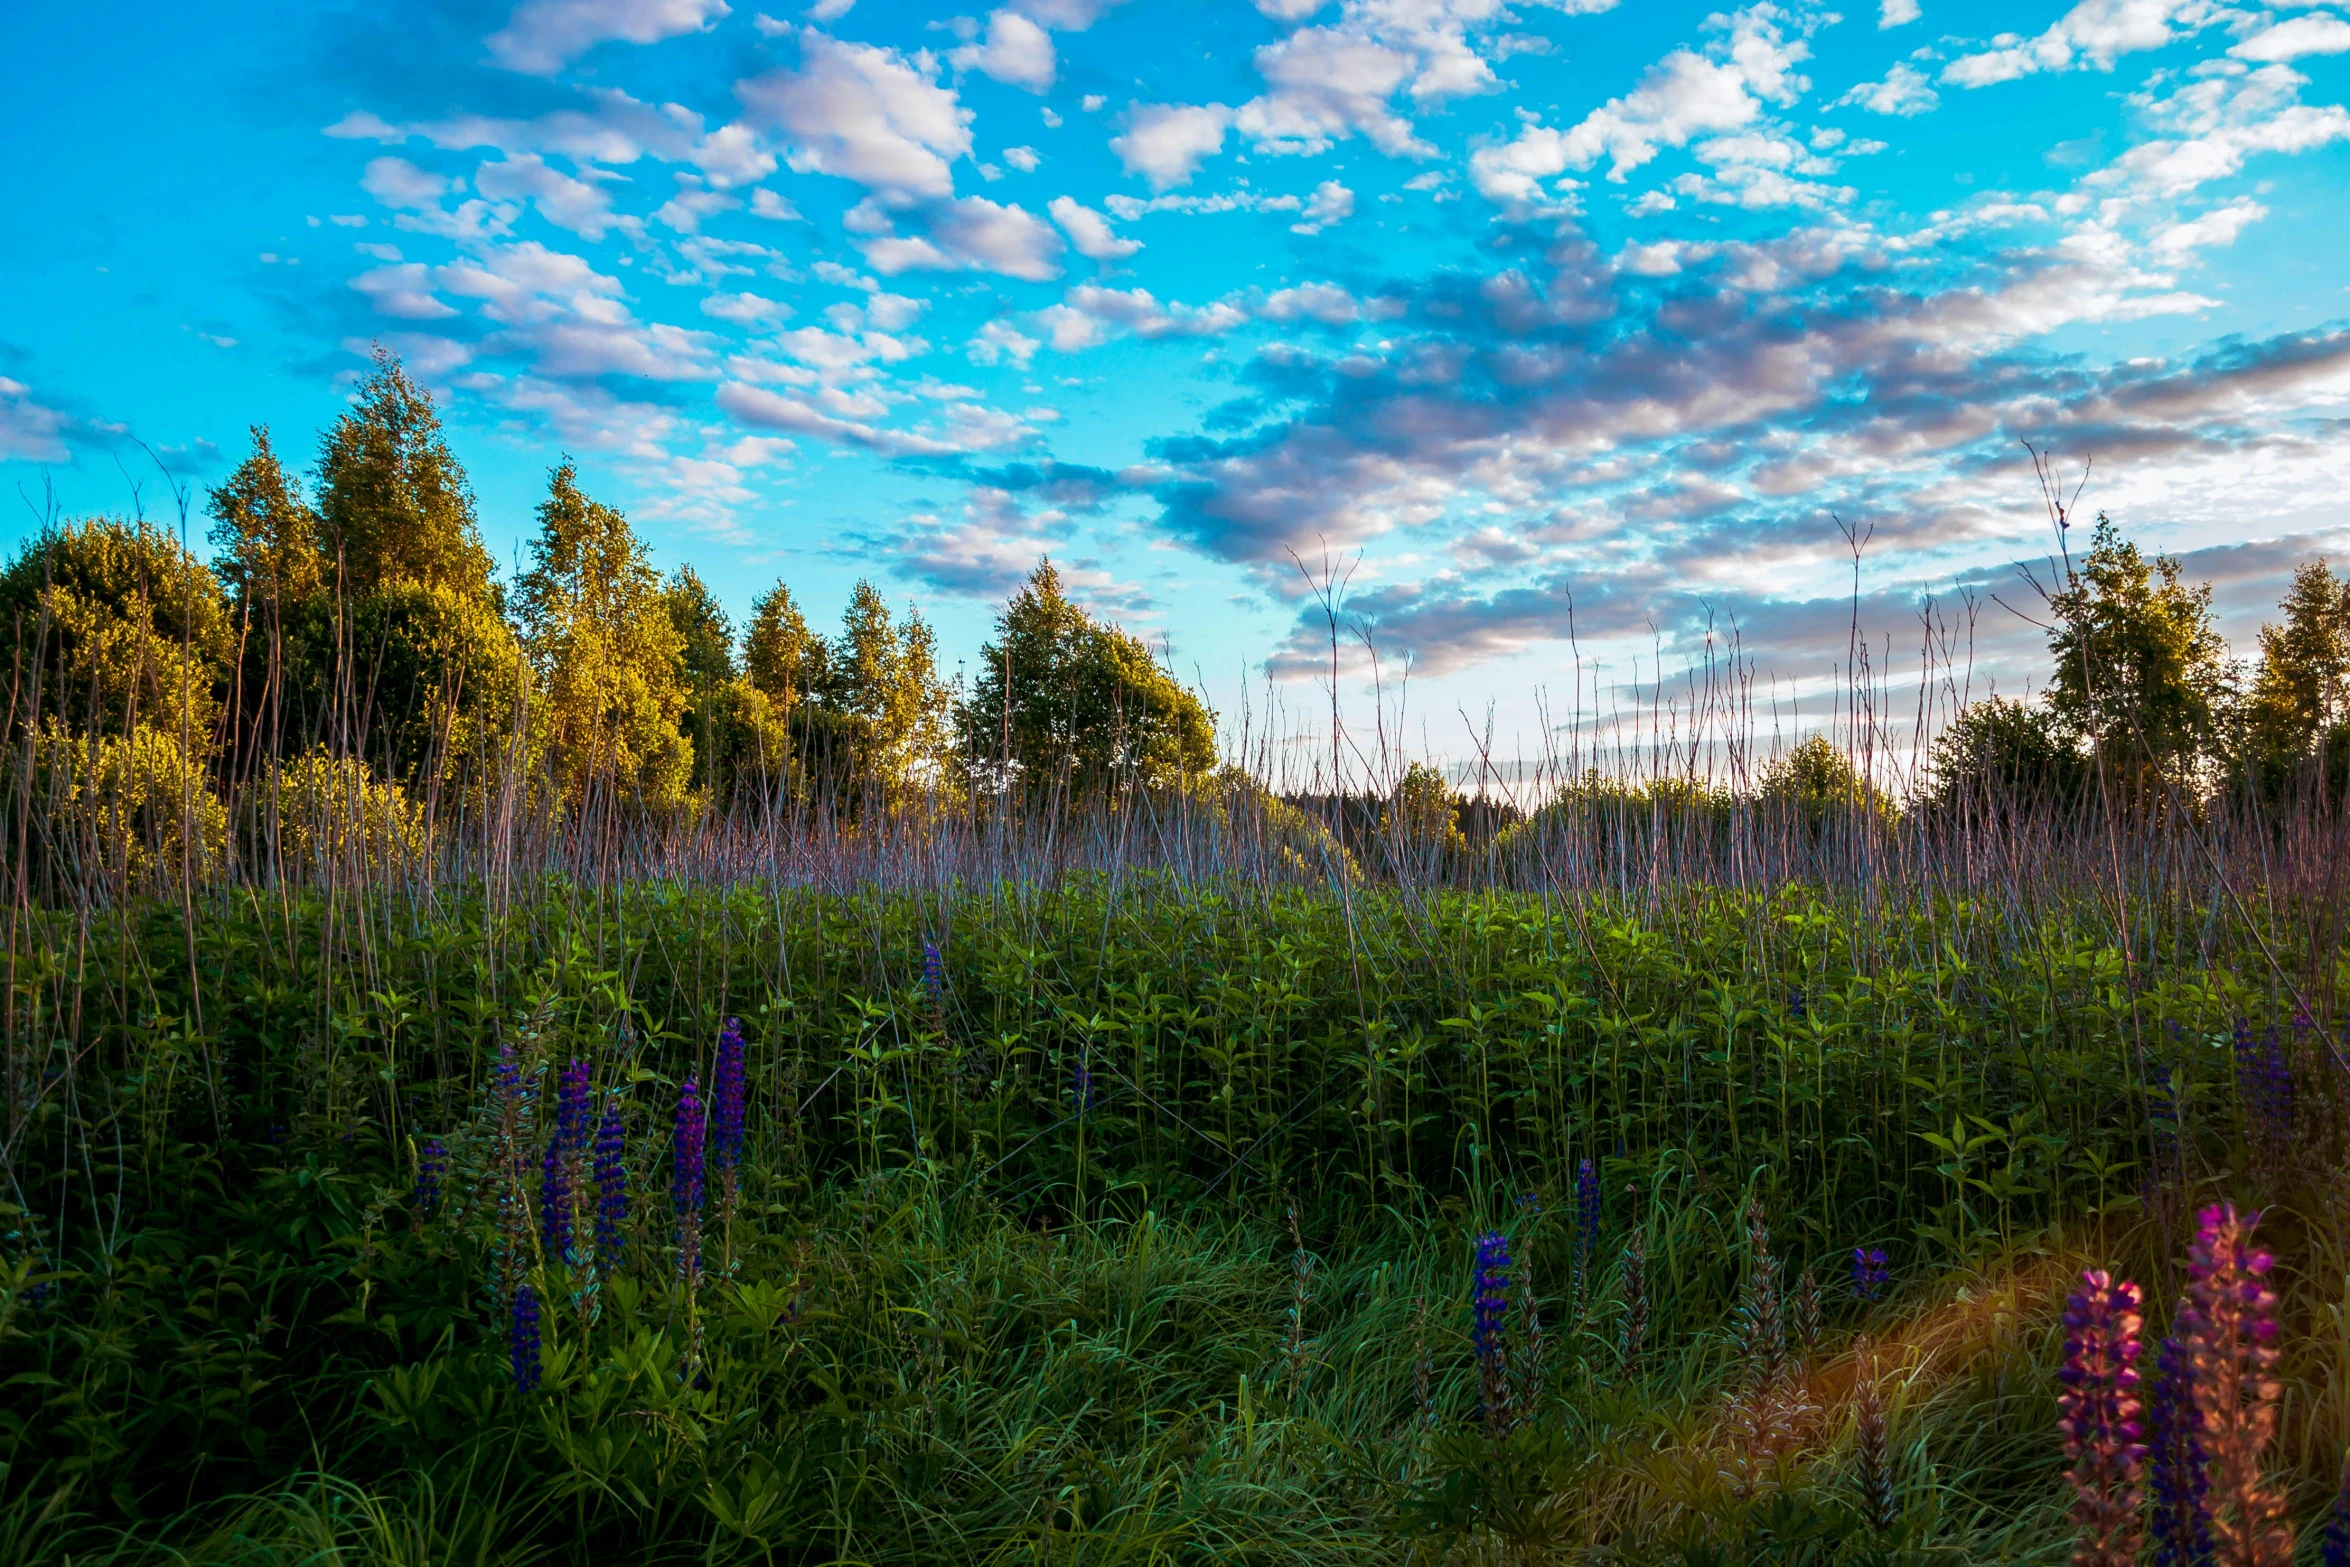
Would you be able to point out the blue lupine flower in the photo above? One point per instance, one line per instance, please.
(1870, 1274)
(2333, 1547)
(1081, 1086)
(934, 972)
(431, 1163)
(611, 1188)
(687, 1189)
(522, 1345)
(1489, 1313)
(1587, 1208)
(2177, 1474)
(559, 1169)
(729, 1088)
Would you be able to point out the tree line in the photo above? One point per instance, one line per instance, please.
(356, 622)
(350, 635)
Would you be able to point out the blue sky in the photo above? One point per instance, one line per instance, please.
(1534, 317)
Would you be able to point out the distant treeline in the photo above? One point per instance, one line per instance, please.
(349, 664)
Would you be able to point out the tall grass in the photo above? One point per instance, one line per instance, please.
(1113, 1167)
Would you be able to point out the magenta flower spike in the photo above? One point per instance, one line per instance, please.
(2228, 1329)
(2098, 1416)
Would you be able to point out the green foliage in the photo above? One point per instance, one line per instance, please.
(1066, 705)
(782, 657)
(1422, 815)
(2001, 754)
(122, 627)
(265, 543)
(963, 1308)
(609, 655)
(1817, 780)
(2298, 708)
(2141, 670)
(394, 505)
(882, 683)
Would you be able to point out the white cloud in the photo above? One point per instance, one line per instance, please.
(2218, 227)
(1682, 96)
(28, 431)
(584, 209)
(685, 211)
(2092, 34)
(1326, 83)
(403, 291)
(970, 428)
(1066, 16)
(1323, 302)
(398, 183)
(2290, 40)
(1022, 158)
(1290, 10)
(1331, 203)
(1662, 259)
(766, 204)
(998, 341)
(1165, 143)
(542, 36)
(1897, 13)
(2217, 123)
(1904, 91)
(1090, 232)
(1016, 51)
(864, 114)
(745, 309)
(970, 234)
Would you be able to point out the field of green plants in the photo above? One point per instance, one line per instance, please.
(1126, 1216)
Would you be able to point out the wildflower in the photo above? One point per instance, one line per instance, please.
(522, 1344)
(1870, 1275)
(1635, 1326)
(728, 1090)
(934, 972)
(1081, 1086)
(559, 1169)
(1587, 1207)
(2098, 1415)
(2334, 1545)
(686, 1193)
(2227, 1325)
(1807, 1312)
(611, 1188)
(1762, 1331)
(431, 1163)
(2175, 1473)
(1871, 1452)
(1489, 1308)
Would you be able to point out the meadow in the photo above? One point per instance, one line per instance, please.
(935, 1196)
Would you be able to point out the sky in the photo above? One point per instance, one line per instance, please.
(1544, 341)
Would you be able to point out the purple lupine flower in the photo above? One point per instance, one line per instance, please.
(2175, 1474)
(1081, 1086)
(611, 1188)
(728, 1089)
(1796, 1006)
(2333, 1548)
(1870, 1274)
(559, 1167)
(686, 1192)
(2182, 1532)
(1587, 1207)
(1489, 1313)
(934, 972)
(2098, 1415)
(432, 1162)
(522, 1341)
(2228, 1329)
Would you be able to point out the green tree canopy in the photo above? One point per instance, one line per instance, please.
(393, 502)
(2000, 753)
(264, 535)
(1081, 705)
(2141, 671)
(883, 681)
(609, 657)
(128, 629)
(781, 657)
(705, 636)
(1817, 778)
